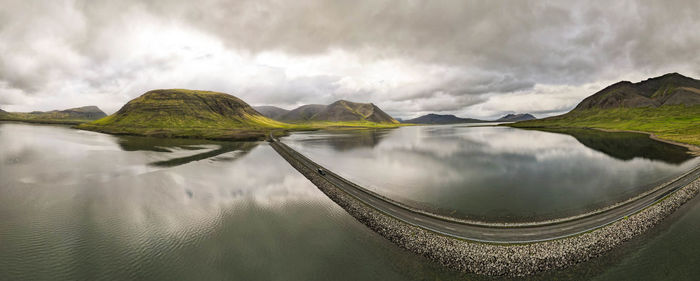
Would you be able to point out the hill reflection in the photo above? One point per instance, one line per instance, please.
(627, 146)
(210, 149)
(345, 140)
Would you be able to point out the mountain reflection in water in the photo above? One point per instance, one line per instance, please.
(627, 146)
(211, 149)
(346, 140)
(497, 173)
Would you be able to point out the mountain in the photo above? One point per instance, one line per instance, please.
(271, 111)
(339, 111)
(187, 113)
(344, 111)
(78, 113)
(441, 119)
(69, 116)
(302, 113)
(668, 107)
(516, 117)
(669, 89)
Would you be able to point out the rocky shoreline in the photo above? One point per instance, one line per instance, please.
(498, 259)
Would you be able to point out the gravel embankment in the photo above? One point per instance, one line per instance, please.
(495, 259)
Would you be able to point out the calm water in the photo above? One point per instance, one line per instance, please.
(78, 205)
(497, 173)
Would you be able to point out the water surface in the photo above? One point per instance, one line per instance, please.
(78, 205)
(497, 173)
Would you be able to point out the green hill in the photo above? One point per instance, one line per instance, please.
(667, 106)
(346, 111)
(341, 113)
(69, 116)
(669, 89)
(190, 114)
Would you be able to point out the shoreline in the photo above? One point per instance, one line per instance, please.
(501, 259)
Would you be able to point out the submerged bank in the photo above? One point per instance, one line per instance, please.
(497, 259)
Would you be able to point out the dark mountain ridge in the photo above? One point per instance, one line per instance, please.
(433, 118)
(668, 89)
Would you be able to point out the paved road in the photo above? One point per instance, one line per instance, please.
(489, 233)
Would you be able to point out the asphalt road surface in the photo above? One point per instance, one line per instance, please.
(489, 233)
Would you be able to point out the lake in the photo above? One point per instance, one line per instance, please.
(77, 205)
(497, 173)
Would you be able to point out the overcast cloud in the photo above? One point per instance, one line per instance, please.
(471, 58)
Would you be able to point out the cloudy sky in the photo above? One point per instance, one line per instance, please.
(470, 58)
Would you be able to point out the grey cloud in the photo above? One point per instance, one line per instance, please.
(487, 47)
(550, 42)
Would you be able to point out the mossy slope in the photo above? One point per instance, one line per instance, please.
(679, 123)
(188, 113)
(340, 112)
(667, 106)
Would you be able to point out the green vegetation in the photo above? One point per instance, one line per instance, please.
(340, 111)
(71, 116)
(199, 114)
(680, 123)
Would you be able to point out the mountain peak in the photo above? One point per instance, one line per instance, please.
(516, 117)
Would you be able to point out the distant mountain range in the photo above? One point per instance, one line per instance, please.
(69, 116)
(669, 89)
(433, 118)
(339, 111)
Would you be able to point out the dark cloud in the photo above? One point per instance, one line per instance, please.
(418, 55)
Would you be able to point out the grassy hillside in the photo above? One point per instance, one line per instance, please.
(187, 113)
(69, 116)
(341, 113)
(346, 111)
(667, 106)
(678, 123)
(198, 114)
(668, 89)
